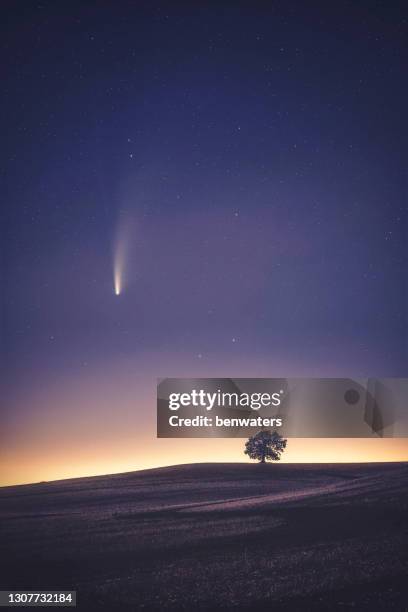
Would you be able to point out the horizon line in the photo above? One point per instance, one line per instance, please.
(271, 463)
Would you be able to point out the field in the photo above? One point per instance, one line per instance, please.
(214, 536)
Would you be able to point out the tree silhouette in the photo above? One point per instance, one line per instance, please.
(265, 446)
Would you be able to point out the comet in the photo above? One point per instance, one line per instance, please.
(119, 261)
(117, 282)
(121, 253)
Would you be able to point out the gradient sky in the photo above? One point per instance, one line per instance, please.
(250, 160)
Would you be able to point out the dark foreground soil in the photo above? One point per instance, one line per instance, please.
(214, 537)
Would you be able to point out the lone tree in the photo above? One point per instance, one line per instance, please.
(265, 446)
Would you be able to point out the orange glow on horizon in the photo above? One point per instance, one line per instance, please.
(101, 420)
(60, 461)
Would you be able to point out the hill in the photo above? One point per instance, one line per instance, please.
(215, 536)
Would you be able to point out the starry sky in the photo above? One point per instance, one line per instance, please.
(246, 162)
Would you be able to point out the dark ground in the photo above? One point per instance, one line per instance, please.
(215, 536)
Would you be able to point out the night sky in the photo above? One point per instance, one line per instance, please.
(242, 164)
